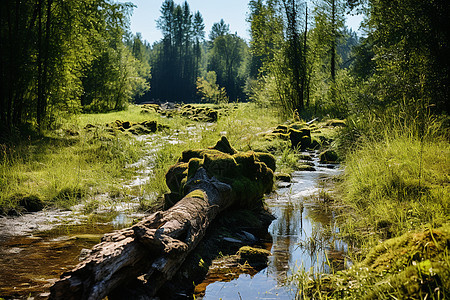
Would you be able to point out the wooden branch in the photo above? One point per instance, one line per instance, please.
(155, 247)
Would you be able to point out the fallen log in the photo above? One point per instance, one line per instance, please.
(155, 248)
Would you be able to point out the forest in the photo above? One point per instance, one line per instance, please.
(63, 58)
(93, 118)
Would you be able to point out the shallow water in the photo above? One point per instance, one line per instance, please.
(298, 243)
(35, 249)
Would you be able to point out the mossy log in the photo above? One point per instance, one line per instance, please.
(153, 249)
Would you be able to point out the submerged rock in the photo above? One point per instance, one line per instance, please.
(305, 167)
(283, 177)
(255, 257)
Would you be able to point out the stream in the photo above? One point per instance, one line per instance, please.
(35, 249)
(298, 239)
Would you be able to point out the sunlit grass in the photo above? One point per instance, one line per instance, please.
(70, 162)
(400, 183)
(395, 189)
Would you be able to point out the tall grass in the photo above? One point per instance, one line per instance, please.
(396, 169)
(63, 165)
(395, 188)
(400, 183)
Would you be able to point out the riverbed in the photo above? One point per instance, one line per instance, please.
(301, 240)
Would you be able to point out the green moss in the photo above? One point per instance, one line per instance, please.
(223, 145)
(193, 165)
(305, 168)
(268, 159)
(247, 172)
(277, 135)
(283, 177)
(139, 130)
(175, 175)
(328, 156)
(281, 128)
(300, 138)
(220, 165)
(412, 266)
(336, 123)
(297, 125)
(196, 194)
(253, 255)
(200, 114)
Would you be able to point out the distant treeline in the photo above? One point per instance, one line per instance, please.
(64, 57)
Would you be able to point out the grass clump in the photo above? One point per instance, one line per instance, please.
(401, 182)
(415, 265)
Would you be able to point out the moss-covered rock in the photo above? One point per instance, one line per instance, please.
(253, 256)
(250, 174)
(328, 156)
(411, 266)
(150, 107)
(300, 138)
(223, 145)
(283, 177)
(137, 129)
(200, 114)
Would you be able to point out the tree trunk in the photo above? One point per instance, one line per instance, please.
(155, 247)
(333, 41)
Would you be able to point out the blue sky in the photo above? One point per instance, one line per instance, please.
(234, 12)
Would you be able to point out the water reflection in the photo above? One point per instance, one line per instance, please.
(30, 264)
(302, 238)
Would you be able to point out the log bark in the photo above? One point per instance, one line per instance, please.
(152, 250)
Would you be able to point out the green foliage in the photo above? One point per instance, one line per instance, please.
(412, 266)
(61, 57)
(210, 90)
(411, 63)
(226, 59)
(279, 55)
(265, 28)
